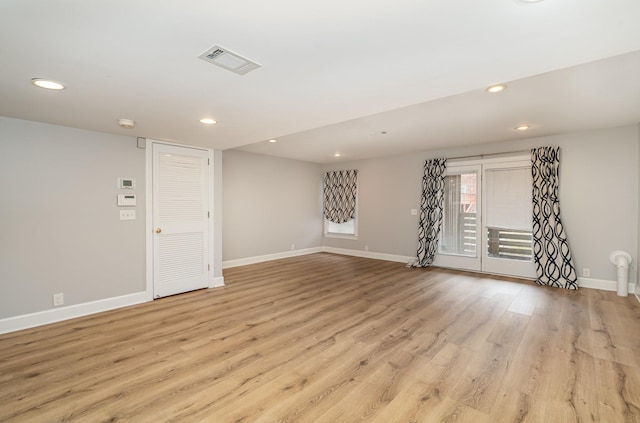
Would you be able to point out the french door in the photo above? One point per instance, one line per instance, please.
(487, 219)
(459, 245)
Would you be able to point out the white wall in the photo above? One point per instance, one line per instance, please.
(59, 224)
(598, 196)
(269, 204)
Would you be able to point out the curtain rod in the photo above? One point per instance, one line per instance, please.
(483, 156)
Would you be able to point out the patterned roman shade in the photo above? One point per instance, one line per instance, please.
(340, 189)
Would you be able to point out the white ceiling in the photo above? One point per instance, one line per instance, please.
(334, 75)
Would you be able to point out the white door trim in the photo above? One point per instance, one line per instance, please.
(212, 282)
(149, 214)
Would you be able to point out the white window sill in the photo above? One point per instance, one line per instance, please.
(340, 236)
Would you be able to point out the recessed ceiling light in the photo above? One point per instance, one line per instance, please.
(337, 155)
(126, 123)
(523, 127)
(45, 83)
(273, 141)
(207, 121)
(495, 88)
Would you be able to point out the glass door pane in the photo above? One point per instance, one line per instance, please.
(508, 219)
(459, 223)
(459, 234)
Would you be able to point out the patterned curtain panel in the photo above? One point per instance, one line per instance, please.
(554, 265)
(431, 206)
(340, 195)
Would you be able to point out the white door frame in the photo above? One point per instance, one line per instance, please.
(149, 213)
(516, 268)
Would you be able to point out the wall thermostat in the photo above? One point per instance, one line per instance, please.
(126, 183)
(125, 200)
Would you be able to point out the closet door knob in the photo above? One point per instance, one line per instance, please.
(158, 230)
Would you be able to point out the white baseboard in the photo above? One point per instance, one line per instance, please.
(603, 285)
(12, 324)
(268, 257)
(217, 282)
(369, 254)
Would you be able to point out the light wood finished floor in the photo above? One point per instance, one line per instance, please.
(329, 338)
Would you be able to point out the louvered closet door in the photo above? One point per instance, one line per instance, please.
(180, 219)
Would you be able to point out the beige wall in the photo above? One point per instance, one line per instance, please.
(269, 204)
(59, 224)
(61, 231)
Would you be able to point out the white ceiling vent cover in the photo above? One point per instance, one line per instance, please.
(229, 60)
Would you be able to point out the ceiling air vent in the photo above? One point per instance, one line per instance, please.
(228, 60)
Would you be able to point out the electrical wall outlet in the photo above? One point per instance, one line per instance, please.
(586, 272)
(58, 300)
(293, 247)
(366, 248)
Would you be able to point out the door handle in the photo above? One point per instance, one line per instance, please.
(158, 230)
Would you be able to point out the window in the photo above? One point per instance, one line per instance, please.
(346, 228)
(340, 203)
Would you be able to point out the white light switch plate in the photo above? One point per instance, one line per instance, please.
(127, 215)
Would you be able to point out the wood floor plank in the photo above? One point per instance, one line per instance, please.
(330, 338)
(511, 405)
(419, 403)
